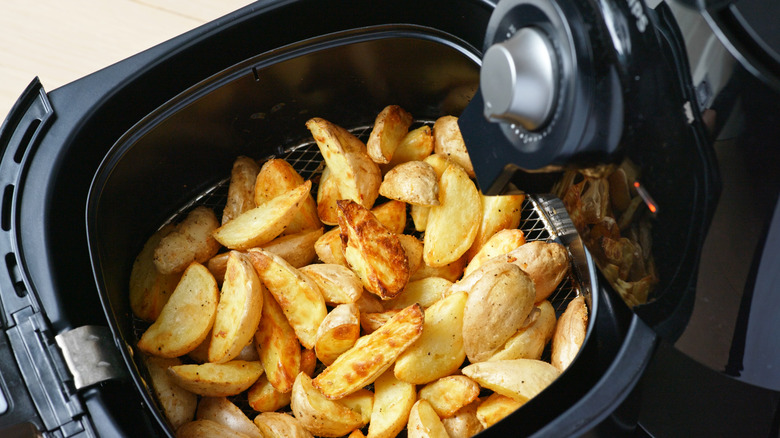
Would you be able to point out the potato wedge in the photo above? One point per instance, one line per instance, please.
(241, 189)
(191, 241)
(177, 404)
(320, 415)
(264, 223)
(369, 303)
(362, 402)
(346, 157)
(392, 214)
(338, 332)
(277, 345)
(371, 355)
(413, 182)
(263, 397)
(416, 145)
(150, 289)
(275, 178)
(495, 408)
(390, 127)
(413, 247)
(207, 428)
(419, 215)
(282, 425)
(223, 411)
(393, 400)
(338, 284)
(424, 423)
(546, 262)
(439, 351)
(497, 307)
(373, 321)
(372, 252)
(217, 380)
(500, 243)
(298, 296)
(328, 247)
(569, 333)
(425, 292)
(529, 342)
(464, 423)
(327, 194)
(500, 212)
(451, 271)
(297, 249)
(186, 318)
(521, 379)
(239, 309)
(448, 141)
(452, 225)
(449, 394)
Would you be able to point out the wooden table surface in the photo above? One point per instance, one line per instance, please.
(60, 41)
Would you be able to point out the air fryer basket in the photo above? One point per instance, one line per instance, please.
(180, 155)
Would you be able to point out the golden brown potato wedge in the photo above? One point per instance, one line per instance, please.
(373, 321)
(177, 404)
(546, 262)
(424, 422)
(191, 241)
(282, 425)
(372, 252)
(297, 249)
(439, 351)
(390, 127)
(327, 195)
(217, 380)
(569, 333)
(186, 318)
(361, 402)
(425, 292)
(500, 212)
(521, 379)
(452, 225)
(530, 340)
(371, 355)
(275, 178)
(320, 415)
(346, 156)
(497, 307)
(298, 296)
(264, 223)
(338, 284)
(263, 397)
(239, 309)
(393, 400)
(207, 428)
(241, 189)
(338, 332)
(413, 247)
(495, 408)
(449, 394)
(448, 141)
(500, 243)
(439, 162)
(392, 214)
(224, 412)
(150, 289)
(464, 423)
(413, 182)
(419, 215)
(416, 145)
(277, 346)
(328, 247)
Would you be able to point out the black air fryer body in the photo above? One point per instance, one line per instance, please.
(54, 142)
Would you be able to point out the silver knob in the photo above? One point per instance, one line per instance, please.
(518, 79)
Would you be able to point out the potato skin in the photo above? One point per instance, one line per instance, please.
(569, 333)
(191, 241)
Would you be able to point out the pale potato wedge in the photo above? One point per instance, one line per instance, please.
(500, 212)
(393, 399)
(277, 345)
(451, 271)
(425, 292)
(241, 189)
(299, 297)
(338, 332)
(207, 428)
(373, 321)
(372, 252)
(191, 241)
(495, 408)
(217, 380)
(224, 412)
(362, 402)
(521, 379)
(150, 289)
(452, 225)
(282, 425)
(419, 214)
(264, 223)
(449, 394)
(497, 306)
(569, 333)
(416, 145)
(424, 422)
(297, 249)
(448, 141)
(392, 214)
(186, 318)
(275, 178)
(413, 182)
(371, 355)
(390, 127)
(529, 342)
(320, 415)
(464, 423)
(239, 309)
(177, 404)
(327, 194)
(439, 351)
(346, 157)
(546, 262)
(440, 163)
(369, 303)
(413, 247)
(263, 397)
(338, 284)
(328, 247)
(500, 243)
